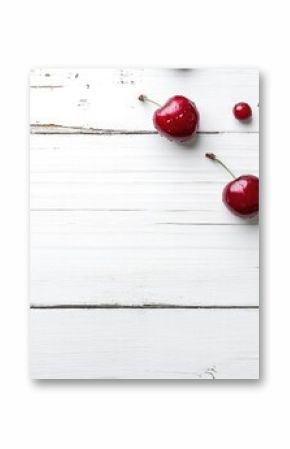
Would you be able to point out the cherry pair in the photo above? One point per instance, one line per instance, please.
(178, 120)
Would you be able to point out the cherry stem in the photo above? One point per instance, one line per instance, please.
(213, 157)
(144, 98)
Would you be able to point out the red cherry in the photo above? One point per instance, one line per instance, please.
(177, 120)
(242, 111)
(241, 196)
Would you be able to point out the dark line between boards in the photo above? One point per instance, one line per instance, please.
(92, 209)
(74, 130)
(148, 306)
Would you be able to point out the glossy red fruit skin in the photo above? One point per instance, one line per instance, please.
(241, 196)
(242, 111)
(178, 119)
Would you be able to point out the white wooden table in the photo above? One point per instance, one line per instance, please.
(137, 268)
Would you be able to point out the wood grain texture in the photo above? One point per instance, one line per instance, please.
(140, 258)
(138, 269)
(89, 100)
(144, 344)
(138, 173)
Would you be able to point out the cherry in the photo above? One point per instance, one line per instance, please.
(177, 119)
(242, 111)
(241, 196)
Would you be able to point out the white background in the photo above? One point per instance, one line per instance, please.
(144, 415)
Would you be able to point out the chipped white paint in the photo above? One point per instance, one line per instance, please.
(108, 98)
(122, 216)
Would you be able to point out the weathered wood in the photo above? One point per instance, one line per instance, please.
(139, 258)
(123, 219)
(137, 173)
(107, 99)
(144, 344)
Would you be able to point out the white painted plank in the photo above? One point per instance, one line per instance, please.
(144, 344)
(108, 98)
(141, 258)
(135, 220)
(137, 173)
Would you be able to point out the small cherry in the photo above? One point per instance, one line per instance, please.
(242, 111)
(241, 196)
(177, 119)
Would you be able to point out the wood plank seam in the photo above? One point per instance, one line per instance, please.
(144, 306)
(62, 129)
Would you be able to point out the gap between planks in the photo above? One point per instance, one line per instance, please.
(250, 222)
(62, 129)
(144, 306)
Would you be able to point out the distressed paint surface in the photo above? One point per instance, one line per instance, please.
(106, 99)
(121, 218)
